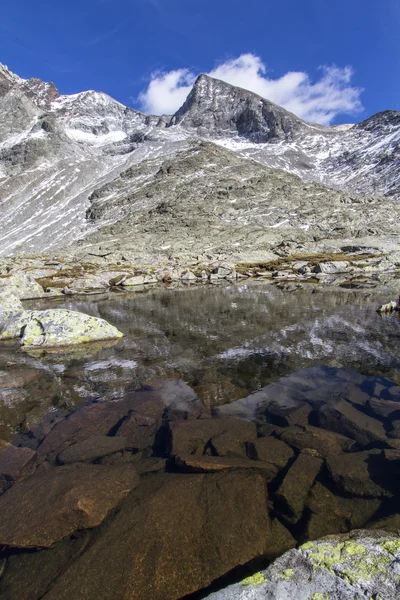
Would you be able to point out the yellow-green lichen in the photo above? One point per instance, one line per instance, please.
(320, 596)
(286, 574)
(393, 547)
(256, 579)
(333, 558)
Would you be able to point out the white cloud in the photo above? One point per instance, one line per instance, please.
(318, 102)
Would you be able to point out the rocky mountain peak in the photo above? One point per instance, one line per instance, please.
(217, 108)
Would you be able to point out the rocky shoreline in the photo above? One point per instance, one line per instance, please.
(71, 274)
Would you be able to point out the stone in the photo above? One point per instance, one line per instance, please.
(395, 429)
(383, 408)
(48, 506)
(88, 420)
(269, 449)
(281, 540)
(16, 463)
(360, 473)
(138, 280)
(21, 285)
(214, 464)
(294, 489)
(192, 437)
(331, 513)
(29, 575)
(169, 398)
(389, 523)
(323, 441)
(342, 417)
(188, 276)
(354, 566)
(91, 449)
(138, 431)
(89, 284)
(60, 327)
(330, 268)
(191, 530)
(389, 307)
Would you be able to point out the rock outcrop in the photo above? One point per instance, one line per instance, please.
(359, 565)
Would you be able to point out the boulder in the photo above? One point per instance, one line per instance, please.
(361, 473)
(278, 403)
(229, 435)
(139, 431)
(48, 506)
(333, 267)
(87, 421)
(342, 417)
(271, 450)
(383, 408)
(16, 463)
(172, 536)
(353, 566)
(29, 575)
(62, 327)
(296, 485)
(91, 449)
(138, 280)
(22, 286)
(281, 540)
(57, 327)
(330, 513)
(323, 441)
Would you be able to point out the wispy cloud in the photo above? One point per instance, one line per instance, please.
(317, 101)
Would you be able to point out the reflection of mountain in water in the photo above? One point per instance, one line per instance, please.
(224, 341)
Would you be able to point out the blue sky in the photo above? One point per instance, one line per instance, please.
(123, 46)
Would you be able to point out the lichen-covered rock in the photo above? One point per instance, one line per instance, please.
(58, 327)
(23, 286)
(356, 566)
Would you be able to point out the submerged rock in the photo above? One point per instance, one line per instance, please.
(171, 536)
(355, 566)
(46, 507)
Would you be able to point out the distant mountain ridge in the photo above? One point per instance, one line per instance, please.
(57, 152)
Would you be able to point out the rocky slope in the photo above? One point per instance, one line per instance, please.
(87, 172)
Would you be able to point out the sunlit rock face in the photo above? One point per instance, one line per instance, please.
(71, 165)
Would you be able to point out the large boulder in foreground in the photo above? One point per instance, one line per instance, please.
(57, 327)
(171, 536)
(355, 566)
(46, 507)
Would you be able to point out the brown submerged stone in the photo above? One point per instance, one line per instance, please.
(294, 489)
(331, 513)
(48, 506)
(360, 473)
(342, 417)
(271, 450)
(87, 421)
(323, 441)
(16, 463)
(91, 449)
(174, 535)
(191, 437)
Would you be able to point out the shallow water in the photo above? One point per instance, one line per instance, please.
(312, 373)
(224, 341)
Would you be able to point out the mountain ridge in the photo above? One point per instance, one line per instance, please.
(58, 152)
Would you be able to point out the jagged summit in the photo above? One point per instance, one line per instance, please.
(64, 159)
(215, 107)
